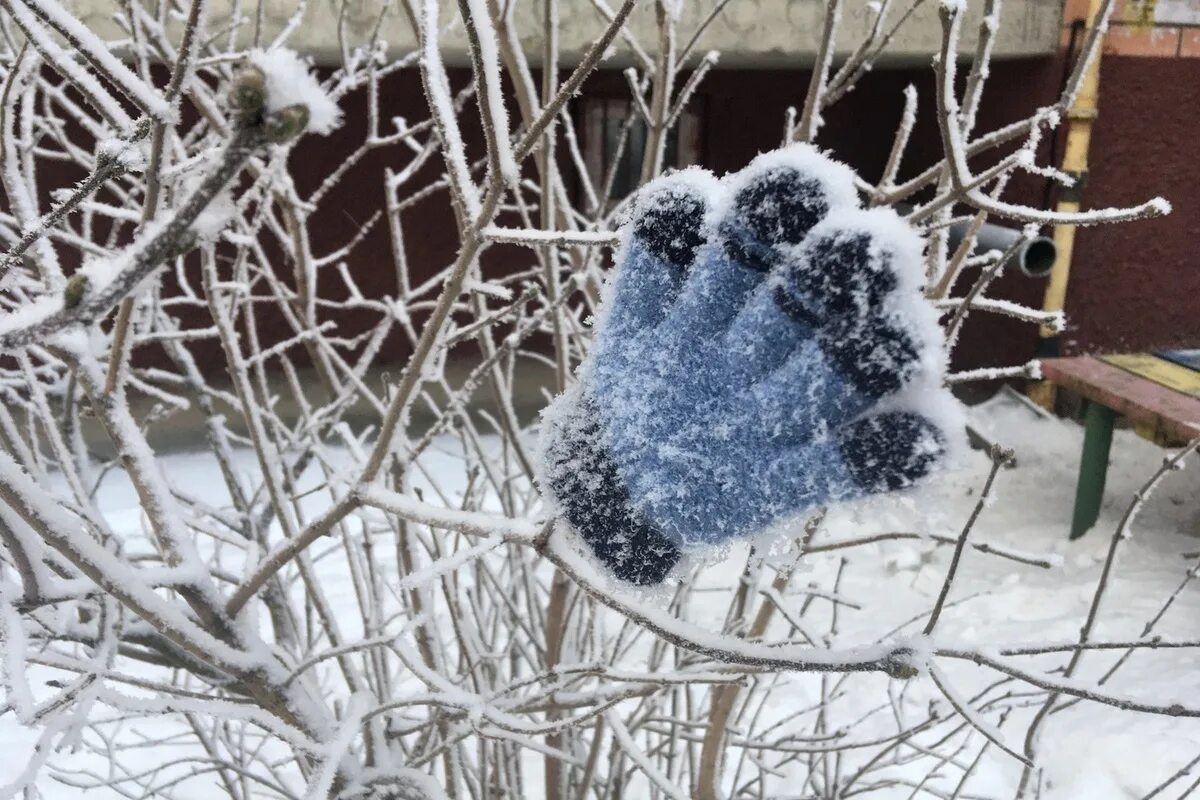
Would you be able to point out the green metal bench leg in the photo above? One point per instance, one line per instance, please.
(1093, 467)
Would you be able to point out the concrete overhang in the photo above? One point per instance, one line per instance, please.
(748, 33)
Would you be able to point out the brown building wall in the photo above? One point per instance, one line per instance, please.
(1133, 286)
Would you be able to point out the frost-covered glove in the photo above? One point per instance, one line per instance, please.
(764, 349)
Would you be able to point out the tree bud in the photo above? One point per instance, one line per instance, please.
(249, 91)
(287, 123)
(75, 289)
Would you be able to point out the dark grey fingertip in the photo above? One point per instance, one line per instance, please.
(776, 208)
(837, 275)
(670, 223)
(890, 451)
(876, 354)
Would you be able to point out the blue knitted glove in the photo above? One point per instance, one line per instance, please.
(765, 349)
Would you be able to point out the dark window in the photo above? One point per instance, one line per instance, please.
(604, 124)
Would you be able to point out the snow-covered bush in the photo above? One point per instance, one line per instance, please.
(355, 588)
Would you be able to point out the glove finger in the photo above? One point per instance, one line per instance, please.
(772, 204)
(805, 397)
(777, 200)
(878, 453)
(666, 234)
(583, 477)
(854, 285)
(889, 451)
(848, 265)
(827, 381)
(877, 356)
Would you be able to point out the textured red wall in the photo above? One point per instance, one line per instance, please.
(1137, 286)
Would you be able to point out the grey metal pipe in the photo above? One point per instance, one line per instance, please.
(1034, 257)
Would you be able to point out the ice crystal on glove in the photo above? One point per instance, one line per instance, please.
(764, 349)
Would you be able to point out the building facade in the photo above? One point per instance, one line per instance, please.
(1133, 286)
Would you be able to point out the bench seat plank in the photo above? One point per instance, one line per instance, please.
(1172, 413)
(1159, 370)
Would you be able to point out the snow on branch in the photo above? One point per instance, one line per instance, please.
(289, 82)
(530, 237)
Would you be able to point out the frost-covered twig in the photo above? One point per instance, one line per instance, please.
(92, 292)
(1064, 685)
(810, 114)
(999, 458)
(534, 238)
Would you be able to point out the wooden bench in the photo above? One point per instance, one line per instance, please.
(1159, 397)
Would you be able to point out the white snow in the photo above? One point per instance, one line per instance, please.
(289, 82)
(1088, 751)
(215, 217)
(130, 155)
(31, 313)
(835, 178)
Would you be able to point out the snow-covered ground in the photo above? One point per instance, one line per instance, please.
(1089, 751)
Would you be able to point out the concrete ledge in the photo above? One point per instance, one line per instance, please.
(754, 33)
